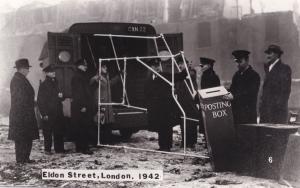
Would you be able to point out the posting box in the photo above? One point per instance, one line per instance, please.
(219, 128)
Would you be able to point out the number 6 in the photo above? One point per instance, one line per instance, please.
(270, 159)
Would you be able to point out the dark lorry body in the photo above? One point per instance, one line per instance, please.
(66, 48)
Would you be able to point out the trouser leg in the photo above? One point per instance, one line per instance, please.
(23, 150)
(165, 137)
(58, 142)
(47, 132)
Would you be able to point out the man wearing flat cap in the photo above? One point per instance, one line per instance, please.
(22, 121)
(49, 101)
(276, 88)
(81, 107)
(244, 89)
(161, 105)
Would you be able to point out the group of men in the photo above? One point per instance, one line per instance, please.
(243, 92)
(23, 127)
(159, 101)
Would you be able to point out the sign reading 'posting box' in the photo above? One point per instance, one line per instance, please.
(219, 127)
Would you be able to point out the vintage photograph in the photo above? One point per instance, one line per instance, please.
(150, 93)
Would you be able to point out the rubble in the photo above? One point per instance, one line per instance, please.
(178, 171)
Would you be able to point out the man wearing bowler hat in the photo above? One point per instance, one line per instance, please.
(276, 87)
(49, 102)
(22, 121)
(244, 89)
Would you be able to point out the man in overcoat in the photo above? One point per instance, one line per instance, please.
(162, 110)
(276, 88)
(188, 104)
(49, 102)
(81, 107)
(244, 88)
(22, 121)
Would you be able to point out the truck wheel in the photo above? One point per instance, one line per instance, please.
(126, 134)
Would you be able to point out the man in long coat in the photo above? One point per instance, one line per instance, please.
(188, 104)
(276, 88)
(81, 107)
(22, 121)
(162, 110)
(49, 102)
(244, 88)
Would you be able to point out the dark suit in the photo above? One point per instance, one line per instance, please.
(162, 109)
(50, 105)
(22, 122)
(81, 98)
(275, 96)
(244, 88)
(188, 104)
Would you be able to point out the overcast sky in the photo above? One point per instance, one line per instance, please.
(258, 5)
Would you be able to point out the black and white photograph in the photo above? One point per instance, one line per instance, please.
(150, 93)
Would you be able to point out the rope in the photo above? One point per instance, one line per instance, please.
(118, 65)
(155, 151)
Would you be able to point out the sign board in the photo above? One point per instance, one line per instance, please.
(219, 128)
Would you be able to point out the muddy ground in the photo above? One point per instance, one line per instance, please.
(178, 171)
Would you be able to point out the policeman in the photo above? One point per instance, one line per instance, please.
(50, 106)
(244, 89)
(209, 78)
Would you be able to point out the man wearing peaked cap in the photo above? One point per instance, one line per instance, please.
(22, 122)
(276, 87)
(49, 101)
(209, 79)
(244, 89)
(239, 54)
(49, 68)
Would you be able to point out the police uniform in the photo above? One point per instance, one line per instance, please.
(244, 88)
(208, 79)
(49, 102)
